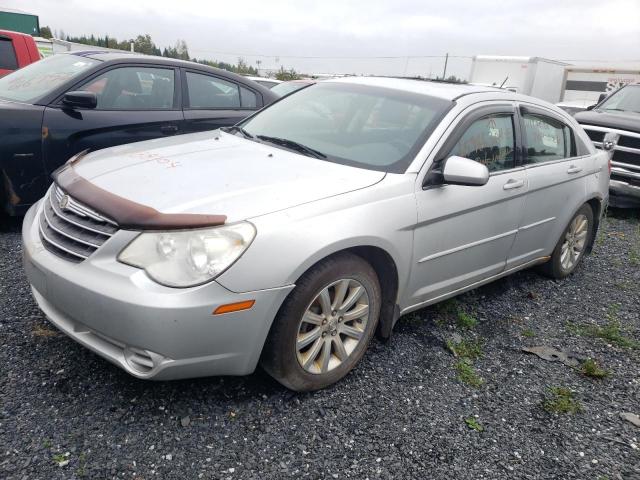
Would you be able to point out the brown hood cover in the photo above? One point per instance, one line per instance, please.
(127, 214)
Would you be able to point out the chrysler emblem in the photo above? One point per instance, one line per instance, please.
(64, 202)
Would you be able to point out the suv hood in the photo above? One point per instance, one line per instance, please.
(218, 173)
(620, 120)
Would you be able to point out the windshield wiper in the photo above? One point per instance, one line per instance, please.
(237, 128)
(284, 142)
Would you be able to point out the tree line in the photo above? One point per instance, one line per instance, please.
(145, 44)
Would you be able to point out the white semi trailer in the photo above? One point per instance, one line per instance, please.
(582, 86)
(535, 76)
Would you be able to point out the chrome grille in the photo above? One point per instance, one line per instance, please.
(71, 230)
(625, 162)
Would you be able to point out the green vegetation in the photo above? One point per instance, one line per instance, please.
(82, 463)
(611, 332)
(450, 311)
(61, 459)
(467, 374)
(47, 443)
(465, 320)
(591, 369)
(561, 400)
(473, 424)
(286, 75)
(527, 332)
(471, 349)
(145, 44)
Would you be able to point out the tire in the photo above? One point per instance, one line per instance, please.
(304, 368)
(557, 267)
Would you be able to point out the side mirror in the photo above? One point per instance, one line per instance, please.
(602, 97)
(80, 99)
(464, 171)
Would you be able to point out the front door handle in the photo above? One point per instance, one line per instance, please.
(574, 169)
(169, 129)
(513, 183)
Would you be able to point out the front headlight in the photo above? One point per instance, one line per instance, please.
(188, 258)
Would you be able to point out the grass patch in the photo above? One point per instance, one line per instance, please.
(591, 369)
(611, 331)
(561, 400)
(473, 424)
(466, 348)
(82, 463)
(464, 320)
(528, 333)
(467, 374)
(450, 311)
(61, 459)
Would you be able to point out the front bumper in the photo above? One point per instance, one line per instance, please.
(149, 330)
(623, 194)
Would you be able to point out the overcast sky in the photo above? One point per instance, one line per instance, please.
(282, 32)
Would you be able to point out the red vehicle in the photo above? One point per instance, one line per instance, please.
(16, 51)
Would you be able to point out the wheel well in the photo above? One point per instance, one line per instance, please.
(596, 208)
(387, 273)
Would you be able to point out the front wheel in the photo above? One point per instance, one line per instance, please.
(572, 245)
(325, 325)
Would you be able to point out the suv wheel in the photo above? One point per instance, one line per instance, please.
(325, 325)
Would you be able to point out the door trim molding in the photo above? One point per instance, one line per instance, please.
(466, 246)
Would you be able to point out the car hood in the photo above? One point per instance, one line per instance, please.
(612, 119)
(218, 173)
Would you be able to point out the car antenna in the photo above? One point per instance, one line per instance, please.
(504, 81)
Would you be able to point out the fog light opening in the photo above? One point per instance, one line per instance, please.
(139, 360)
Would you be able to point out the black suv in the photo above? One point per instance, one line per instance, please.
(57, 107)
(614, 124)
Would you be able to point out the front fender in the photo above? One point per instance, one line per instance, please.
(288, 243)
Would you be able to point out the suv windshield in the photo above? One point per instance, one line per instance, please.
(359, 125)
(626, 99)
(42, 77)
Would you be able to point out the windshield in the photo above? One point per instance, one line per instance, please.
(626, 99)
(40, 78)
(286, 88)
(368, 127)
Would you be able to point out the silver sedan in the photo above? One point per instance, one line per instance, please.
(294, 237)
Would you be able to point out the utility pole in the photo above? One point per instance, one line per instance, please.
(446, 60)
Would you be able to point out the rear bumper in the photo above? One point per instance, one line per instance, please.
(151, 331)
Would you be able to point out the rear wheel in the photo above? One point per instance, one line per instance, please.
(572, 245)
(325, 325)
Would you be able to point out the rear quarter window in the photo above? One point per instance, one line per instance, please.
(8, 59)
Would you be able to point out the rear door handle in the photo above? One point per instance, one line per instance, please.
(169, 129)
(513, 183)
(574, 169)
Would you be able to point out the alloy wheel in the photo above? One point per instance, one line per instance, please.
(332, 326)
(574, 242)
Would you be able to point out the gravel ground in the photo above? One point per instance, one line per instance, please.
(400, 414)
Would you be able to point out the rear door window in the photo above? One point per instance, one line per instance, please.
(208, 92)
(546, 139)
(8, 59)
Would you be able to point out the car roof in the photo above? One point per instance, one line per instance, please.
(107, 56)
(445, 90)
